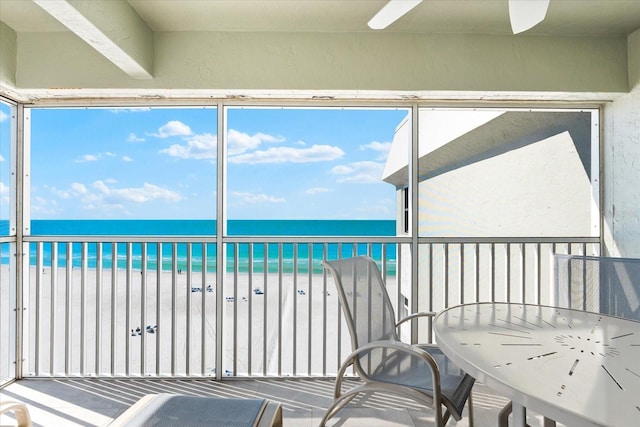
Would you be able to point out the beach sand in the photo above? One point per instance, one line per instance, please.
(293, 328)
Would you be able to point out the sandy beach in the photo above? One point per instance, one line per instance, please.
(272, 324)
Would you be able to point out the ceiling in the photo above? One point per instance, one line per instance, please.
(564, 17)
(310, 48)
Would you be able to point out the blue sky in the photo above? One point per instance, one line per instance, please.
(5, 154)
(161, 163)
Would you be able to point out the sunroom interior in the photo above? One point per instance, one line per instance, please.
(556, 106)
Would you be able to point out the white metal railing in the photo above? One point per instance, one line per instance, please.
(7, 314)
(160, 306)
(460, 270)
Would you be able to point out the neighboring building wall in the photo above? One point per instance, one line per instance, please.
(621, 165)
(522, 174)
(538, 190)
(398, 159)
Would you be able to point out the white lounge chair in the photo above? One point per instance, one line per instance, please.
(168, 410)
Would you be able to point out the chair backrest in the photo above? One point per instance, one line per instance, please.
(364, 300)
(599, 284)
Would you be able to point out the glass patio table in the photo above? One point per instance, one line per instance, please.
(575, 367)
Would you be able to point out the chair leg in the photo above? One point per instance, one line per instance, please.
(470, 408)
(336, 406)
(503, 417)
(20, 411)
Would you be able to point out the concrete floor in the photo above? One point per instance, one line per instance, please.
(96, 402)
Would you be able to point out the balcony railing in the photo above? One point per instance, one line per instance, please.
(173, 307)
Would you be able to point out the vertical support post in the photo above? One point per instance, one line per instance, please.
(20, 224)
(413, 208)
(597, 174)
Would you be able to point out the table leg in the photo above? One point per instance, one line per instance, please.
(519, 415)
(503, 417)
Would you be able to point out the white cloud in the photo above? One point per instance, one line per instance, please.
(1, 158)
(78, 188)
(146, 193)
(3, 116)
(382, 148)
(317, 190)
(202, 146)
(100, 186)
(75, 190)
(317, 153)
(127, 159)
(135, 138)
(360, 172)
(173, 128)
(60, 193)
(4, 189)
(94, 157)
(240, 146)
(341, 170)
(130, 110)
(103, 194)
(44, 207)
(240, 142)
(87, 158)
(254, 198)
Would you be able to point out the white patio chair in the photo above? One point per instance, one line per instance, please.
(382, 361)
(20, 411)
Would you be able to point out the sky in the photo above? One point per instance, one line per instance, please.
(160, 163)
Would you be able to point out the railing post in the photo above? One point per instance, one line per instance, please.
(220, 231)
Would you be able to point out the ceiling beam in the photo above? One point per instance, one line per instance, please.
(112, 28)
(8, 54)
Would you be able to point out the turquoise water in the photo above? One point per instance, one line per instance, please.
(264, 256)
(208, 227)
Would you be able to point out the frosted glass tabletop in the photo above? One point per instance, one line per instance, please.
(575, 367)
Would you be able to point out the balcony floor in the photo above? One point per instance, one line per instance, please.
(96, 402)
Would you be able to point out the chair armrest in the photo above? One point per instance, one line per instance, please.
(399, 346)
(415, 316)
(20, 410)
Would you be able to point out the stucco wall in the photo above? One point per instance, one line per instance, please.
(538, 190)
(621, 165)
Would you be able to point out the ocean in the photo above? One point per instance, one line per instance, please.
(305, 255)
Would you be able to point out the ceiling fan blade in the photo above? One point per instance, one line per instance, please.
(391, 12)
(525, 14)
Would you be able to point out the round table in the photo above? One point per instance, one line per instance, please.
(575, 367)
